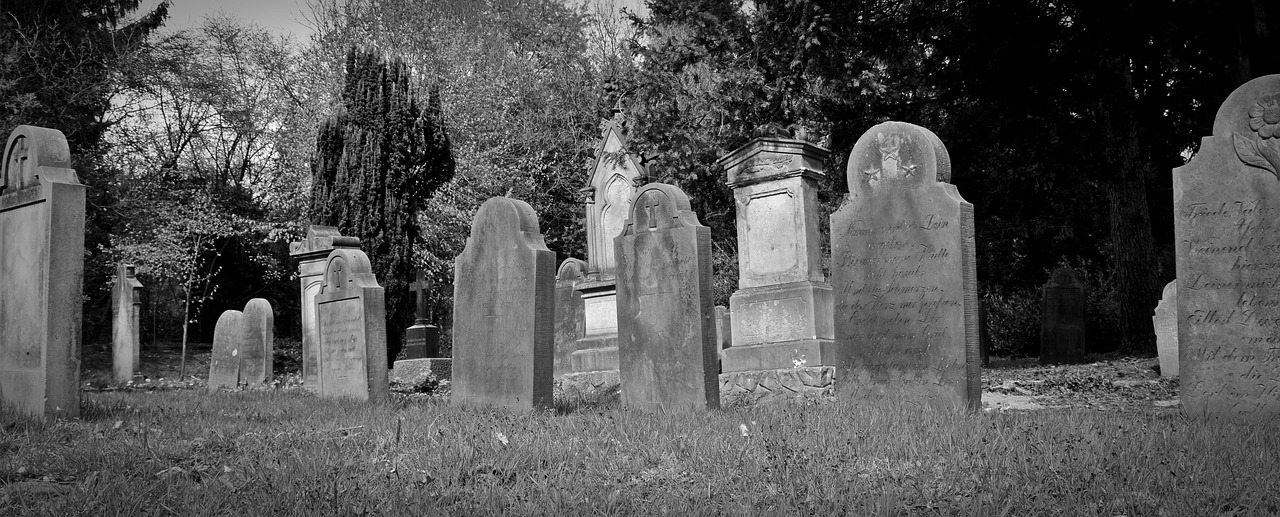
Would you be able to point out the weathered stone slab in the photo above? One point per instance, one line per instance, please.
(783, 306)
(504, 310)
(904, 274)
(1165, 322)
(1062, 323)
(226, 363)
(352, 318)
(126, 305)
(312, 254)
(41, 272)
(570, 318)
(413, 371)
(243, 346)
(1227, 228)
(666, 329)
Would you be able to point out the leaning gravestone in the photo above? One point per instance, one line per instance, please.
(667, 354)
(126, 304)
(570, 320)
(243, 346)
(42, 259)
(1165, 322)
(352, 321)
(1062, 325)
(1226, 212)
(504, 310)
(904, 275)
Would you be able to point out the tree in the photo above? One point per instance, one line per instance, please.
(377, 161)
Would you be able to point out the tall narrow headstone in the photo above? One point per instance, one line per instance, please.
(243, 346)
(422, 340)
(1226, 212)
(783, 307)
(666, 321)
(1165, 322)
(352, 318)
(570, 324)
(608, 194)
(312, 254)
(1062, 325)
(504, 310)
(126, 305)
(904, 275)
(41, 271)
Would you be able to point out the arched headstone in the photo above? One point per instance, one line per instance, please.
(504, 310)
(570, 325)
(906, 314)
(352, 319)
(667, 355)
(1062, 324)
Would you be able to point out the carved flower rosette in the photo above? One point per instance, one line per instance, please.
(1264, 121)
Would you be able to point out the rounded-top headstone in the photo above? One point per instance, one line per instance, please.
(258, 321)
(660, 206)
(347, 269)
(896, 155)
(571, 271)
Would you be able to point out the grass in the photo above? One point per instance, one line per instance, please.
(286, 452)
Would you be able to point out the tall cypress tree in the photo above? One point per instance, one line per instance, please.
(380, 157)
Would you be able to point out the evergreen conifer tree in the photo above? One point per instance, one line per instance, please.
(377, 161)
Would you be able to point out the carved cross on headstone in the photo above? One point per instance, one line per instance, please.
(17, 161)
(419, 288)
(651, 205)
(336, 276)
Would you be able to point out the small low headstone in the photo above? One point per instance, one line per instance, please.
(570, 319)
(1226, 209)
(42, 258)
(504, 311)
(352, 318)
(243, 346)
(1062, 325)
(422, 340)
(666, 330)
(904, 275)
(126, 306)
(1165, 322)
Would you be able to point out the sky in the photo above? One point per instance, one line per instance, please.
(274, 15)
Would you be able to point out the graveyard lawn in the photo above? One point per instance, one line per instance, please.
(284, 451)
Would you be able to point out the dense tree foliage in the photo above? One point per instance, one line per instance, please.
(378, 160)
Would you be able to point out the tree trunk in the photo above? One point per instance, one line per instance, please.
(1133, 250)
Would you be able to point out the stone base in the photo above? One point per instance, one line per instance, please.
(590, 381)
(595, 354)
(779, 356)
(412, 371)
(783, 385)
(782, 313)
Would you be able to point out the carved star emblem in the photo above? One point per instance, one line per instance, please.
(873, 174)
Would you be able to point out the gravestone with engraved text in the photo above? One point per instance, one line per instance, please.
(666, 321)
(904, 275)
(126, 305)
(1062, 325)
(312, 254)
(570, 320)
(352, 318)
(504, 311)
(1227, 236)
(41, 272)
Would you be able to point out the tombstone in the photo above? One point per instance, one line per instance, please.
(608, 197)
(666, 328)
(352, 318)
(570, 320)
(126, 308)
(1226, 209)
(1165, 321)
(904, 275)
(422, 340)
(724, 331)
(783, 306)
(41, 271)
(504, 311)
(312, 253)
(243, 346)
(1062, 325)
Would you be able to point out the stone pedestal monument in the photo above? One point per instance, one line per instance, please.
(311, 254)
(422, 344)
(608, 198)
(782, 311)
(126, 305)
